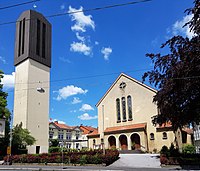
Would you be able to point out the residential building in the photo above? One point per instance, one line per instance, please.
(68, 136)
(125, 119)
(86, 131)
(197, 137)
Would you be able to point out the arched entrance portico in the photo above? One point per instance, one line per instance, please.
(112, 142)
(123, 142)
(135, 141)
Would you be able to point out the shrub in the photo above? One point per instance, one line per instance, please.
(81, 157)
(54, 149)
(173, 152)
(188, 149)
(164, 150)
(163, 159)
(83, 160)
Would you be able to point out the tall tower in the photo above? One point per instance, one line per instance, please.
(32, 75)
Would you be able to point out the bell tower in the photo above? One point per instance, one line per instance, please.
(32, 62)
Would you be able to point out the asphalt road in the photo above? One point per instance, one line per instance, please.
(127, 162)
(81, 168)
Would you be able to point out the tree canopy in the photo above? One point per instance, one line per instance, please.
(4, 113)
(21, 138)
(177, 76)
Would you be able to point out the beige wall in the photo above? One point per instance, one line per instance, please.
(30, 106)
(142, 110)
(97, 142)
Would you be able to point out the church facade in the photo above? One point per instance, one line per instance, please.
(125, 119)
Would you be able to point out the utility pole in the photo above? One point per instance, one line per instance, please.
(9, 148)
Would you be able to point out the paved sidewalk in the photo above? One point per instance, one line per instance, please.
(137, 161)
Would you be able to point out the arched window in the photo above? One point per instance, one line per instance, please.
(130, 116)
(94, 141)
(124, 108)
(118, 110)
(152, 136)
(164, 135)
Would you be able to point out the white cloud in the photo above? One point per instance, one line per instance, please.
(65, 60)
(34, 6)
(81, 20)
(78, 28)
(76, 100)
(8, 80)
(96, 42)
(106, 52)
(73, 111)
(60, 122)
(81, 48)
(86, 107)
(2, 60)
(178, 28)
(154, 42)
(86, 116)
(81, 38)
(62, 7)
(67, 91)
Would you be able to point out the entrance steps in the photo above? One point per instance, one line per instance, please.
(131, 152)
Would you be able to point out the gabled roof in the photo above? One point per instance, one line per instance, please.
(95, 133)
(76, 127)
(130, 78)
(125, 128)
(61, 126)
(87, 129)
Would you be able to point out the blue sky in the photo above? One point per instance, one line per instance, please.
(90, 49)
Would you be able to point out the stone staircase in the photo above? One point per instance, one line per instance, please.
(131, 152)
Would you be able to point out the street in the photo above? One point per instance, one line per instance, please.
(83, 168)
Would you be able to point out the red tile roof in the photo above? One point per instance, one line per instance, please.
(188, 130)
(165, 125)
(87, 129)
(61, 126)
(94, 133)
(125, 127)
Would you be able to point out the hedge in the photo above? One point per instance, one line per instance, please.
(80, 157)
(172, 156)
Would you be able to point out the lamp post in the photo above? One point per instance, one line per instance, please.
(9, 148)
(62, 144)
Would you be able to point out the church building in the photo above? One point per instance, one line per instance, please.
(125, 119)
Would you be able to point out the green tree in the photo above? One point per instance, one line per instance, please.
(177, 76)
(21, 138)
(4, 113)
(54, 142)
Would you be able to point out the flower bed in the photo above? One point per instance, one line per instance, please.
(81, 157)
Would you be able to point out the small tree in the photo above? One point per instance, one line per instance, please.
(21, 138)
(4, 113)
(54, 143)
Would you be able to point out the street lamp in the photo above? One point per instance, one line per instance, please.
(62, 144)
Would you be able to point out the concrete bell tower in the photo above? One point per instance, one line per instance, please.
(32, 75)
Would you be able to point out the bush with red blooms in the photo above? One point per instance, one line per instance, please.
(74, 157)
